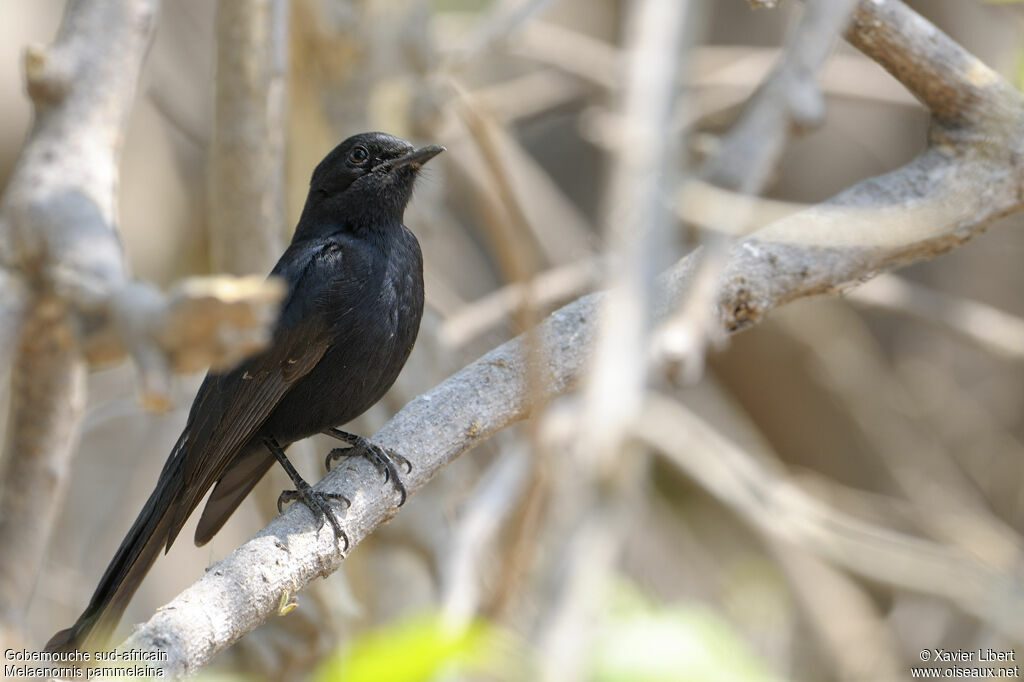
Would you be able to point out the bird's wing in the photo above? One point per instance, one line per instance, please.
(241, 476)
(252, 461)
(230, 408)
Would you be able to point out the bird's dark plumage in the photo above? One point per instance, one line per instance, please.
(350, 318)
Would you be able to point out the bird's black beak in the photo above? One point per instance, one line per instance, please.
(416, 158)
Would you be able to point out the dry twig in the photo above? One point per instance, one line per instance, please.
(481, 520)
(607, 466)
(994, 330)
(774, 505)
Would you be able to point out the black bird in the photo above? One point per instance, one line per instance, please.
(355, 298)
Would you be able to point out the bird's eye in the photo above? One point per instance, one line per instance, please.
(358, 155)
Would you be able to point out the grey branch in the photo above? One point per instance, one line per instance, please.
(955, 86)
(968, 177)
(247, 210)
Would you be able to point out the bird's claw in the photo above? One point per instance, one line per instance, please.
(319, 503)
(329, 459)
(386, 461)
(286, 497)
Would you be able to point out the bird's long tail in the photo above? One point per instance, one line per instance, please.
(139, 549)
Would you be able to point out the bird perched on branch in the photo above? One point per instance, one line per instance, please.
(347, 325)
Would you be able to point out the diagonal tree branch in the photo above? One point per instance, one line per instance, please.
(968, 177)
(955, 86)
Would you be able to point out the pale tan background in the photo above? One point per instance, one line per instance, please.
(802, 378)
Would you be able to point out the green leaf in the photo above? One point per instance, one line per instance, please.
(416, 650)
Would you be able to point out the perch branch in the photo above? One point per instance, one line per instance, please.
(969, 175)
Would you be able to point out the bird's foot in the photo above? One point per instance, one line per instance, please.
(319, 503)
(387, 461)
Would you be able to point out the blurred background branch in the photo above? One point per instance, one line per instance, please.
(247, 209)
(788, 102)
(772, 504)
(71, 300)
(602, 471)
(995, 331)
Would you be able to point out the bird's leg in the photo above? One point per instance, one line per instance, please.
(319, 503)
(386, 461)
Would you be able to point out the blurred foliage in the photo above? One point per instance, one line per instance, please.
(1018, 69)
(643, 641)
(419, 649)
(461, 5)
(639, 640)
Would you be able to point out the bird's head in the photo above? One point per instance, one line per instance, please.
(368, 178)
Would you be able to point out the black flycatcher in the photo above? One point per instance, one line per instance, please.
(350, 318)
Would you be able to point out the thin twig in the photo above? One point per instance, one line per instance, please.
(521, 177)
(994, 330)
(477, 528)
(501, 20)
(951, 506)
(608, 468)
(589, 58)
(771, 503)
(559, 284)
